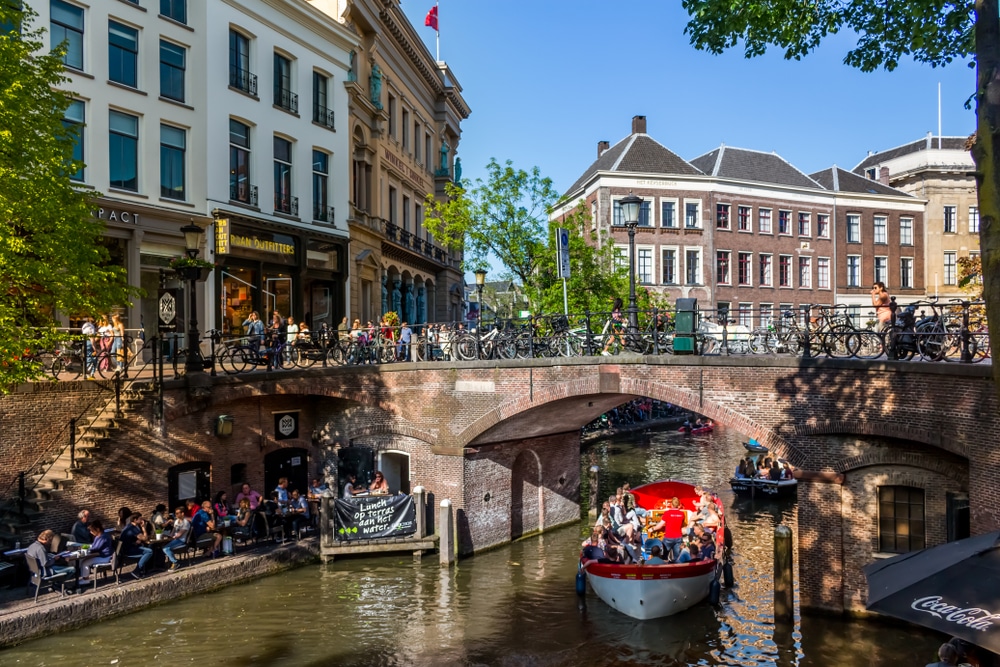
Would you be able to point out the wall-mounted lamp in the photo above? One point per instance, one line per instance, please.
(224, 426)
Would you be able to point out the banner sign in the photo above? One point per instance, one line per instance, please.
(562, 238)
(166, 309)
(286, 425)
(375, 517)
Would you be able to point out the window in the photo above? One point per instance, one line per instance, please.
(617, 215)
(745, 315)
(240, 77)
(428, 154)
(322, 113)
(668, 213)
(692, 215)
(823, 225)
(67, 28)
(784, 270)
(950, 223)
(722, 267)
(906, 231)
(406, 129)
(283, 199)
(644, 265)
(784, 222)
(766, 271)
(172, 66)
(743, 218)
(950, 268)
(321, 184)
(392, 116)
(805, 272)
(174, 9)
(823, 272)
(393, 217)
(906, 272)
(123, 146)
(621, 257)
(881, 223)
(722, 216)
(239, 164)
(692, 266)
(766, 314)
(74, 119)
(805, 224)
(645, 214)
(668, 263)
(853, 228)
(764, 220)
(123, 54)
(406, 213)
(284, 98)
(416, 142)
(973, 219)
(418, 221)
(881, 270)
(900, 519)
(854, 270)
(172, 147)
(745, 268)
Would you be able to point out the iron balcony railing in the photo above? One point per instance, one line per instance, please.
(286, 204)
(286, 100)
(323, 116)
(242, 79)
(323, 213)
(243, 193)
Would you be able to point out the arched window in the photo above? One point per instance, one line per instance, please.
(900, 519)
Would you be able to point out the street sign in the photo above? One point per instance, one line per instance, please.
(562, 239)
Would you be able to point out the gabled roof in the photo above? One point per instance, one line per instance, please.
(749, 165)
(841, 180)
(637, 153)
(946, 143)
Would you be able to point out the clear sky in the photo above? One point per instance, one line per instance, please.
(548, 79)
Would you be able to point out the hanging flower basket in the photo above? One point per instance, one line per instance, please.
(192, 268)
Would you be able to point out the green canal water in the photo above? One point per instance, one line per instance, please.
(513, 606)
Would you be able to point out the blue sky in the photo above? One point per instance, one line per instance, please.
(547, 79)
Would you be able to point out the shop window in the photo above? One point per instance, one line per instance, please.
(900, 519)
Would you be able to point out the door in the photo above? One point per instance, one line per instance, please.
(395, 467)
(191, 480)
(290, 462)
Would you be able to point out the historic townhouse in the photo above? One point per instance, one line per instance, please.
(743, 231)
(404, 127)
(940, 171)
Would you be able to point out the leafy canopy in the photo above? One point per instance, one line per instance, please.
(51, 257)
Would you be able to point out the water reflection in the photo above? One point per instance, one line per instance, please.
(511, 606)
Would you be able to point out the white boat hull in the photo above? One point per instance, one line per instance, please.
(652, 591)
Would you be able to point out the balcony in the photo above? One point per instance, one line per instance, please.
(243, 193)
(286, 204)
(323, 116)
(324, 214)
(244, 80)
(413, 243)
(286, 99)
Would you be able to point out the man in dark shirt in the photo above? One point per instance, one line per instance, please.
(134, 543)
(203, 523)
(39, 550)
(707, 546)
(79, 530)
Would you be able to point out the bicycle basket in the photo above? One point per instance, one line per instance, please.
(560, 324)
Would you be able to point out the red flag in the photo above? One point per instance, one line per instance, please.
(432, 18)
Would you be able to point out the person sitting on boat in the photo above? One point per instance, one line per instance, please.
(605, 514)
(689, 552)
(741, 469)
(698, 423)
(711, 519)
(706, 544)
(775, 473)
(654, 556)
(628, 500)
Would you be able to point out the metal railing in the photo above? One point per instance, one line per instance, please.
(243, 79)
(286, 99)
(243, 193)
(289, 205)
(322, 116)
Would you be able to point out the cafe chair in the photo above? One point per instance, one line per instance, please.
(39, 579)
(101, 570)
(55, 544)
(204, 542)
(271, 527)
(121, 560)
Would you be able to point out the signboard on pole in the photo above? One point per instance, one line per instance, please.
(374, 517)
(562, 242)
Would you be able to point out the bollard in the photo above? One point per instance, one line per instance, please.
(595, 482)
(446, 528)
(420, 501)
(326, 513)
(784, 595)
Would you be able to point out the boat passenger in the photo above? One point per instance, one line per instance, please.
(707, 546)
(775, 473)
(689, 552)
(741, 469)
(654, 556)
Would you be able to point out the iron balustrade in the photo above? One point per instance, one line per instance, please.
(243, 193)
(324, 214)
(242, 79)
(323, 116)
(286, 204)
(286, 99)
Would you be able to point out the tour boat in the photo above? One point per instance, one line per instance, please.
(653, 591)
(763, 487)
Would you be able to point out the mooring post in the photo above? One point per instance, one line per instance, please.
(420, 500)
(446, 528)
(326, 513)
(595, 482)
(784, 598)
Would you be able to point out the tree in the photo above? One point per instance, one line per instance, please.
(51, 257)
(935, 32)
(505, 216)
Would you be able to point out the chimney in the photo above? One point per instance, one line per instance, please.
(883, 175)
(638, 125)
(601, 147)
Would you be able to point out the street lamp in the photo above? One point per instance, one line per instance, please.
(480, 281)
(192, 239)
(630, 206)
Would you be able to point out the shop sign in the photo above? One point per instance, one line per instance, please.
(114, 215)
(166, 309)
(286, 425)
(222, 236)
(403, 168)
(261, 245)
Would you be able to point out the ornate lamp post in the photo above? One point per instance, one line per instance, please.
(480, 281)
(192, 240)
(630, 212)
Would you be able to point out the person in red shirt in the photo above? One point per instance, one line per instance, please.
(672, 524)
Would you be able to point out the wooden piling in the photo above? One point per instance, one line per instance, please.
(595, 483)
(446, 526)
(784, 594)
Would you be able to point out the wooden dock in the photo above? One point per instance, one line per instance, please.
(416, 545)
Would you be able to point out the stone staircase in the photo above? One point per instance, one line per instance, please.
(55, 475)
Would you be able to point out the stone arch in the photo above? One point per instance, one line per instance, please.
(526, 510)
(885, 429)
(890, 457)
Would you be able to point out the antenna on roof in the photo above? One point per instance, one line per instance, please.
(939, 114)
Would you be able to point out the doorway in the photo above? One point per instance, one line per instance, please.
(395, 467)
(290, 462)
(189, 481)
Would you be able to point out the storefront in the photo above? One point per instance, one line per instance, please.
(267, 267)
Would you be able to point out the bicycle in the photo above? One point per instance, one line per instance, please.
(238, 354)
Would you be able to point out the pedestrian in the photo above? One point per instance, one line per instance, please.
(615, 327)
(880, 299)
(403, 347)
(255, 331)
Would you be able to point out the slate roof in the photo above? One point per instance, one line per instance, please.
(947, 143)
(841, 180)
(637, 153)
(750, 165)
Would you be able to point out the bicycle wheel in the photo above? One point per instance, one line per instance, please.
(66, 368)
(464, 348)
(835, 341)
(107, 365)
(865, 345)
(233, 360)
(896, 347)
(930, 340)
(706, 344)
(757, 343)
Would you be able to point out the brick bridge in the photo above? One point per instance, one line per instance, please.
(501, 439)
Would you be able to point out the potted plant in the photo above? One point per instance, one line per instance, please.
(192, 268)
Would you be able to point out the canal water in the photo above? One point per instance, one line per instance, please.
(514, 606)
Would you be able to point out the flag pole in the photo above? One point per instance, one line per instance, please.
(437, 36)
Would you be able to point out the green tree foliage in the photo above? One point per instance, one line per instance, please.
(935, 32)
(51, 259)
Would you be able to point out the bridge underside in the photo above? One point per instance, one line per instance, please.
(570, 414)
